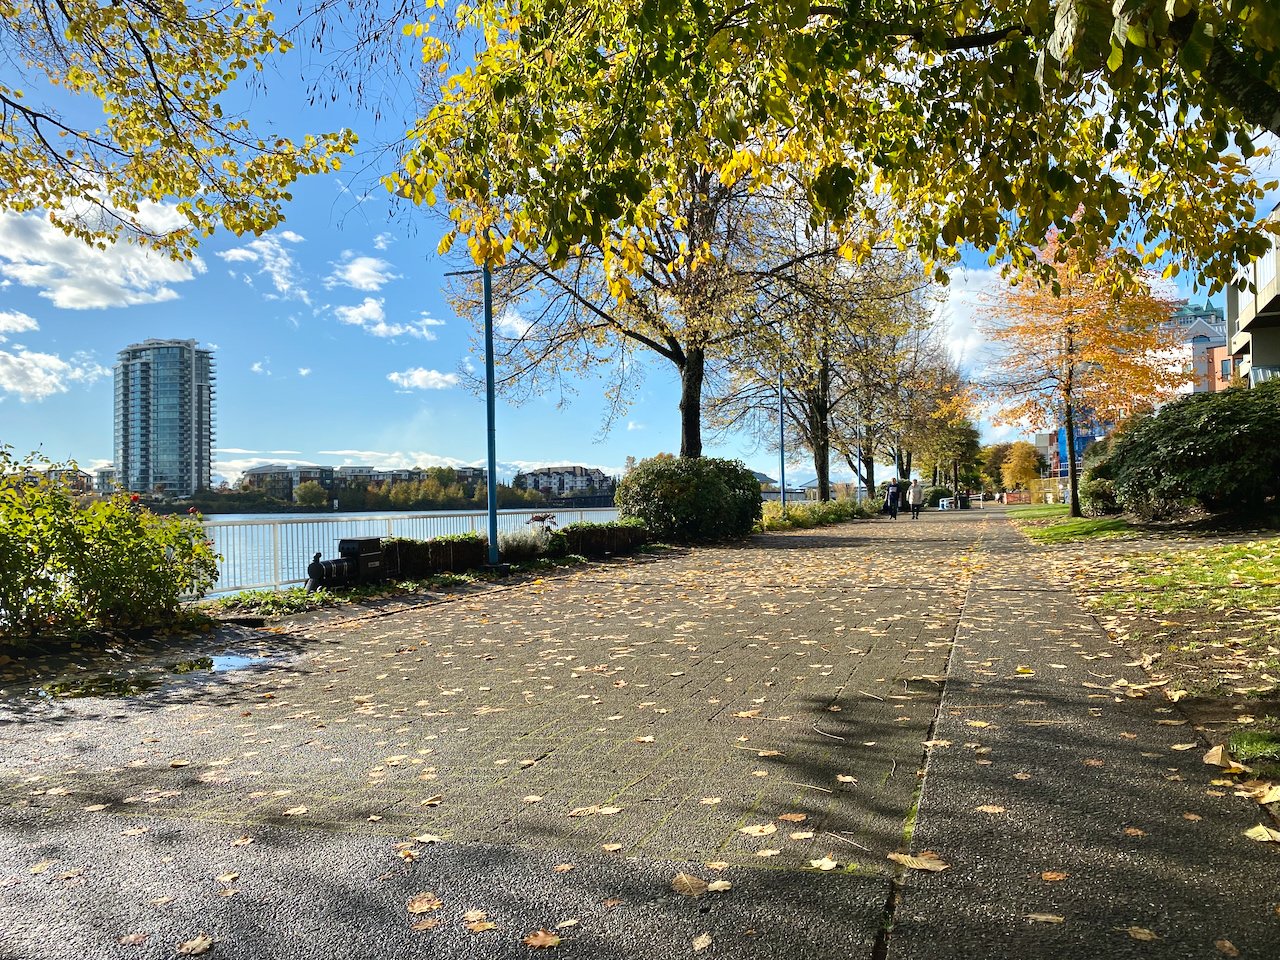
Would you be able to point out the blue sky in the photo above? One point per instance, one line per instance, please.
(333, 340)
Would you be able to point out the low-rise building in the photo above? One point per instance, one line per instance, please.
(1253, 315)
(565, 481)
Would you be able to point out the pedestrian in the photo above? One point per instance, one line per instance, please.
(915, 498)
(891, 498)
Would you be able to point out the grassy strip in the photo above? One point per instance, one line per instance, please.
(1233, 576)
(1042, 511)
(1071, 529)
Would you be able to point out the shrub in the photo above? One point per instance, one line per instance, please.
(1097, 460)
(691, 500)
(520, 545)
(1098, 497)
(417, 559)
(67, 567)
(935, 495)
(600, 539)
(815, 513)
(1214, 449)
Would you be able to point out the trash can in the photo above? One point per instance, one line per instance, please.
(366, 554)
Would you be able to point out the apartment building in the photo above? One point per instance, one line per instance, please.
(565, 481)
(1253, 316)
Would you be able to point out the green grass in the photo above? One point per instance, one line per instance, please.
(1233, 576)
(1071, 529)
(1039, 512)
(1250, 745)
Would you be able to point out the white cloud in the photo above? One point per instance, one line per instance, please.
(360, 273)
(259, 367)
(35, 376)
(274, 261)
(633, 426)
(511, 324)
(382, 241)
(12, 321)
(304, 371)
(419, 378)
(370, 316)
(958, 315)
(76, 276)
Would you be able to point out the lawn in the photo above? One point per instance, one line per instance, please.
(1049, 523)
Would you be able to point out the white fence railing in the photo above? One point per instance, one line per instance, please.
(270, 554)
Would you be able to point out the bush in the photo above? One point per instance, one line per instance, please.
(418, 559)
(935, 495)
(1098, 497)
(600, 539)
(1215, 449)
(815, 513)
(520, 545)
(691, 500)
(1097, 460)
(66, 567)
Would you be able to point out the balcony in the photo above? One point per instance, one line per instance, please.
(1259, 375)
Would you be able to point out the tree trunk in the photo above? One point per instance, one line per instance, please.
(691, 376)
(868, 470)
(1073, 482)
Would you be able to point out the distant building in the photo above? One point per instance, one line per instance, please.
(1253, 316)
(1203, 332)
(565, 481)
(281, 482)
(104, 480)
(164, 423)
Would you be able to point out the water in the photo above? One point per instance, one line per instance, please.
(133, 682)
(271, 550)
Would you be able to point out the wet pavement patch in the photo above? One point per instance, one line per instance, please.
(136, 682)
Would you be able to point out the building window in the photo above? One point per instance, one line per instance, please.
(1226, 369)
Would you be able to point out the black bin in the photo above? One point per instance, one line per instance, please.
(366, 555)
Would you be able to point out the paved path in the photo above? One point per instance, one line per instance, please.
(566, 746)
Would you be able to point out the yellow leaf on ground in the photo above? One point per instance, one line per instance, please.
(1044, 918)
(1052, 876)
(801, 835)
(295, 811)
(825, 863)
(925, 861)
(1184, 746)
(610, 847)
(845, 778)
(1272, 795)
(40, 867)
(1263, 833)
(566, 924)
(471, 916)
(242, 841)
(990, 808)
(688, 885)
(701, 942)
(758, 830)
(719, 886)
(1139, 933)
(794, 817)
(193, 948)
(228, 877)
(430, 923)
(767, 853)
(480, 926)
(562, 867)
(1226, 948)
(709, 801)
(132, 939)
(424, 903)
(542, 939)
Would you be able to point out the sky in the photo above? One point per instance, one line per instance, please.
(333, 340)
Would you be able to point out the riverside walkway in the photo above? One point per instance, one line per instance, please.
(773, 720)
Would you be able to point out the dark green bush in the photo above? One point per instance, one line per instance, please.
(935, 495)
(416, 559)
(68, 565)
(1215, 449)
(601, 539)
(1098, 497)
(691, 500)
(1097, 460)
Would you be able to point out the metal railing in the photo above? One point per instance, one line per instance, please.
(1259, 375)
(271, 554)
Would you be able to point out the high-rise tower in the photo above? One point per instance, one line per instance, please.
(164, 417)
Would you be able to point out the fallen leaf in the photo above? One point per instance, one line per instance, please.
(794, 817)
(610, 847)
(1271, 795)
(41, 867)
(228, 877)
(134, 831)
(199, 945)
(584, 811)
(1139, 933)
(1044, 918)
(1193, 817)
(609, 811)
(1226, 948)
(242, 841)
(163, 901)
(424, 903)
(801, 835)
(688, 885)
(183, 763)
(427, 838)
(611, 903)
(758, 830)
(845, 778)
(1263, 833)
(1134, 832)
(433, 801)
(1022, 776)
(95, 807)
(644, 739)
(1184, 746)
(767, 853)
(566, 924)
(133, 939)
(927, 860)
(430, 923)
(541, 939)
(989, 808)
(295, 811)
(1092, 762)
(825, 863)
(719, 886)
(709, 801)
(1052, 876)
(533, 798)
(562, 867)
(977, 723)
(701, 942)
(716, 865)
(480, 926)
(471, 916)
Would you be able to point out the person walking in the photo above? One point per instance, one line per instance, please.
(915, 498)
(891, 498)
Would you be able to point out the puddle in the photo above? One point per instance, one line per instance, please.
(109, 686)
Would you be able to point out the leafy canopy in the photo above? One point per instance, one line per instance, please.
(155, 74)
(991, 122)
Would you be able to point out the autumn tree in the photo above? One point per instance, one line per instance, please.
(1021, 465)
(1080, 348)
(310, 494)
(992, 458)
(951, 450)
(158, 75)
(1110, 122)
